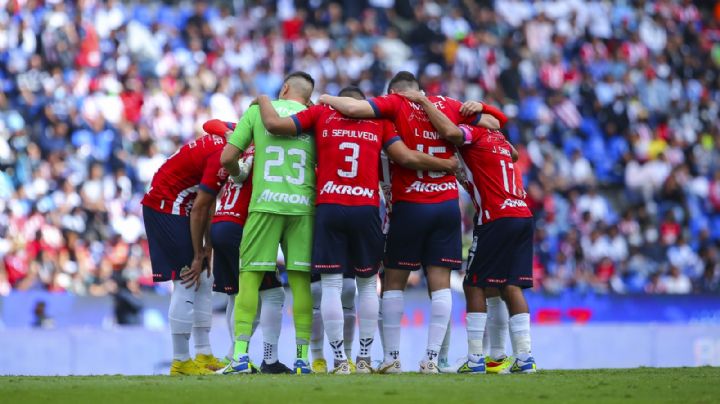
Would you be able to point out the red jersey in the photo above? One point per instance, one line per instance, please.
(492, 179)
(235, 198)
(348, 154)
(418, 133)
(195, 166)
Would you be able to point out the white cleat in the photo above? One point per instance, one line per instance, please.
(362, 365)
(444, 366)
(342, 368)
(428, 367)
(390, 367)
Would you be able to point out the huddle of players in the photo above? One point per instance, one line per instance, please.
(335, 232)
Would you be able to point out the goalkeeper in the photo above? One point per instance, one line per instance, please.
(281, 212)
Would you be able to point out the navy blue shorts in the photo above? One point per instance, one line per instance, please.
(170, 243)
(501, 254)
(226, 237)
(424, 234)
(348, 240)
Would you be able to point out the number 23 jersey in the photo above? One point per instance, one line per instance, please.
(494, 183)
(348, 154)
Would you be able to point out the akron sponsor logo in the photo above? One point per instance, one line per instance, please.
(270, 196)
(513, 203)
(332, 188)
(419, 186)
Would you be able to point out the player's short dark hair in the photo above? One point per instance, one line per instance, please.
(403, 81)
(302, 75)
(352, 91)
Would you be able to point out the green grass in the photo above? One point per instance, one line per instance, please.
(689, 385)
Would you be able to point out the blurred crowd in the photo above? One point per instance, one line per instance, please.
(614, 108)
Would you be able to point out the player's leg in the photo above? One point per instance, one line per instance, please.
(442, 253)
(272, 296)
(496, 332)
(298, 241)
(171, 251)
(349, 315)
(403, 254)
(202, 321)
(230, 322)
(366, 242)
(519, 277)
(317, 335)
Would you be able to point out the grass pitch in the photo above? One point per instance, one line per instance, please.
(689, 385)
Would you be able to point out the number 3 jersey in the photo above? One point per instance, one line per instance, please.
(419, 134)
(283, 168)
(195, 166)
(349, 154)
(235, 199)
(493, 182)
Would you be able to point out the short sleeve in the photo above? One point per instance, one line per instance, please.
(214, 175)
(242, 136)
(386, 106)
(305, 120)
(453, 112)
(390, 134)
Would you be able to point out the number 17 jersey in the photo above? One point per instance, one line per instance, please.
(348, 154)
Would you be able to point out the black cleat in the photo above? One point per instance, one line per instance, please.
(274, 368)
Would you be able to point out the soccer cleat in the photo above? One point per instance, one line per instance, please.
(444, 366)
(363, 365)
(225, 361)
(319, 366)
(342, 368)
(188, 368)
(498, 365)
(389, 367)
(428, 367)
(302, 367)
(524, 366)
(209, 362)
(472, 367)
(240, 366)
(274, 368)
(352, 366)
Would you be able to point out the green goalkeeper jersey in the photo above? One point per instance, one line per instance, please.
(283, 168)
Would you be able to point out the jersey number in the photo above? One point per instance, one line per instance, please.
(233, 193)
(432, 150)
(506, 180)
(278, 161)
(352, 159)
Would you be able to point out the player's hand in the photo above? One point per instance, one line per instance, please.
(453, 165)
(191, 276)
(471, 107)
(207, 253)
(323, 99)
(414, 95)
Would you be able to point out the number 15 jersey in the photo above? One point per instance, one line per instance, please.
(284, 167)
(349, 154)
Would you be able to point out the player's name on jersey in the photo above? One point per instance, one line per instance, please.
(427, 134)
(353, 134)
(419, 186)
(332, 188)
(270, 196)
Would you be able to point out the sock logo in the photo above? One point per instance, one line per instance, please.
(394, 354)
(431, 355)
(365, 344)
(337, 347)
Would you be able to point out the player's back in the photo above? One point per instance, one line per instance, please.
(418, 133)
(235, 199)
(495, 183)
(174, 186)
(284, 167)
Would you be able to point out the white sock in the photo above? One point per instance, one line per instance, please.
(520, 335)
(349, 316)
(368, 307)
(475, 331)
(440, 310)
(202, 316)
(393, 305)
(445, 347)
(271, 312)
(332, 313)
(497, 327)
(230, 321)
(381, 331)
(180, 317)
(317, 336)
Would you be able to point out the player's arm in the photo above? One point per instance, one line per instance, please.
(273, 122)
(445, 127)
(401, 154)
(238, 141)
(490, 116)
(200, 216)
(349, 106)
